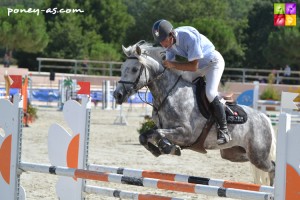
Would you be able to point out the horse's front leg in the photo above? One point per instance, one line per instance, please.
(155, 141)
(147, 139)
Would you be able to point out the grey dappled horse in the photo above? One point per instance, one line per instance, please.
(177, 116)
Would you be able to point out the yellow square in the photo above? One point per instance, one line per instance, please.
(290, 20)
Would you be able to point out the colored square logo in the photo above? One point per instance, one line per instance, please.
(290, 8)
(279, 20)
(279, 8)
(290, 20)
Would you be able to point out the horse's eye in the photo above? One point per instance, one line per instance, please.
(134, 70)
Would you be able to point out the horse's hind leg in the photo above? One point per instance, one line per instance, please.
(261, 160)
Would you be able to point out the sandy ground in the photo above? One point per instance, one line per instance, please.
(116, 145)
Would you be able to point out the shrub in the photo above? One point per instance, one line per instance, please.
(146, 125)
(270, 93)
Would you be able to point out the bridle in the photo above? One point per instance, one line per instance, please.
(135, 83)
(148, 82)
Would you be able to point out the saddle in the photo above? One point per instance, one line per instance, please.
(234, 113)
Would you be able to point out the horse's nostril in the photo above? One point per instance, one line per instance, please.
(118, 95)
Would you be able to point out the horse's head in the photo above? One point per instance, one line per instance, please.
(142, 65)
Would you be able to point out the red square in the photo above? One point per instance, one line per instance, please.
(279, 20)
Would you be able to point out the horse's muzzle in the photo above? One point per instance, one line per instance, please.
(119, 96)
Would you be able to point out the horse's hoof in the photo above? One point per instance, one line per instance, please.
(154, 150)
(176, 151)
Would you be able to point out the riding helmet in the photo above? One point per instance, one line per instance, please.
(161, 30)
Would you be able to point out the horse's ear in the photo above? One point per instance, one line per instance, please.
(126, 50)
(138, 50)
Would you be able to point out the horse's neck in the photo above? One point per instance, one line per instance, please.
(162, 87)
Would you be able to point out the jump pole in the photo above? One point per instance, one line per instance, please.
(181, 178)
(145, 182)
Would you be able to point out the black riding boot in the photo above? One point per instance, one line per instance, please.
(223, 135)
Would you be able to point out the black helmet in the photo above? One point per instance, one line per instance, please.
(161, 30)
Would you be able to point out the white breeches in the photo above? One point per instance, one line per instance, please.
(213, 74)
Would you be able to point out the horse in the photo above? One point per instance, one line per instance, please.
(179, 122)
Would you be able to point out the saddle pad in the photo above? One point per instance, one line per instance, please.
(236, 114)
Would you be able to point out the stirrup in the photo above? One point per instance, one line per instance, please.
(223, 137)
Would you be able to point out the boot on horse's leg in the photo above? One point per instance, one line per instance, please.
(167, 148)
(149, 146)
(223, 136)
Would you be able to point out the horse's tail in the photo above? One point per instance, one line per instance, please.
(262, 177)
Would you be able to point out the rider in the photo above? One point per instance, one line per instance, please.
(201, 58)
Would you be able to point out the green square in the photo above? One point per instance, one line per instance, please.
(279, 8)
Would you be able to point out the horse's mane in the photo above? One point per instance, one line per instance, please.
(157, 52)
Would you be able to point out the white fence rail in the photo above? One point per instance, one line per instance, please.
(112, 68)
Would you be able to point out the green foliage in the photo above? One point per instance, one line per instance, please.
(22, 31)
(32, 111)
(111, 17)
(146, 125)
(220, 33)
(270, 93)
(260, 25)
(68, 83)
(104, 51)
(279, 52)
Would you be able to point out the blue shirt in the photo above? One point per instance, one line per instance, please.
(191, 45)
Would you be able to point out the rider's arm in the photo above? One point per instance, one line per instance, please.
(184, 66)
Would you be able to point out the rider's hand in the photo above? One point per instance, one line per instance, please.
(168, 64)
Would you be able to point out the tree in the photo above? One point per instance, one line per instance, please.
(112, 19)
(22, 31)
(260, 26)
(282, 45)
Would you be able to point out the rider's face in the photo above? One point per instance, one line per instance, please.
(167, 43)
